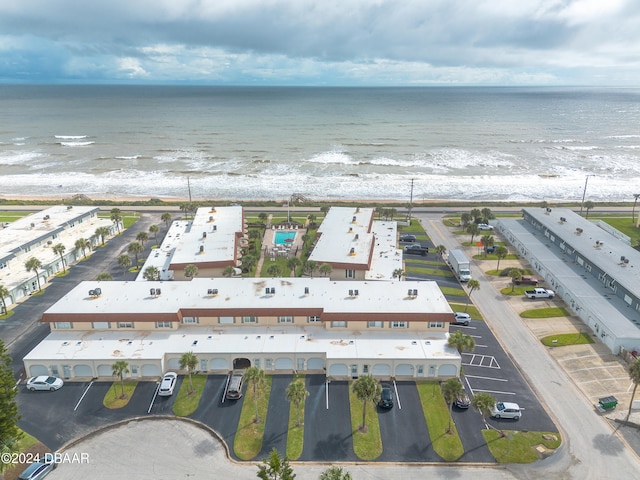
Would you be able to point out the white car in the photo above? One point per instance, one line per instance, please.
(461, 318)
(485, 226)
(168, 384)
(44, 382)
(506, 410)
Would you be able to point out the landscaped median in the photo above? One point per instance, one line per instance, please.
(248, 439)
(118, 395)
(520, 447)
(187, 402)
(446, 445)
(367, 442)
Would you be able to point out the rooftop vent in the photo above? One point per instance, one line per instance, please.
(69, 207)
(46, 217)
(213, 210)
(563, 219)
(214, 228)
(579, 231)
(33, 225)
(352, 252)
(96, 292)
(204, 234)
(350, 230)
(599, 244)
(626, 261)
(353, 219)
(306, 290)
(622, 258)
(357, 209)
(547, 211)
(201, 248)
(211, 219)
(356, 237)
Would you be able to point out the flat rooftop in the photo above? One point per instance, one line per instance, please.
(111, 345)
(250, 293)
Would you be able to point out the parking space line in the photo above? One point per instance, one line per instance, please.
(488, 378)
(153, 399)
(499, 392)
(83, 395)
(493, 363)
(326, 392)
(395, 387)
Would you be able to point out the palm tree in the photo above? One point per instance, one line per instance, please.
(142, 237)
(461, 342)
(634, 374)
(189, 362)
(483, 403)
(59, 249)
(465, 218)
(486, 215)
(487, 241)
(309, 267)
(588, 206)
(476, 215)
(228, 271)
(33, 265)
(248, 263)
(516, 275)
(636, 196)
(82, 244)
(335, 473)
(135, 249)
(473, 284)
(119, 369)
(325, 269)
(256, 378)
(104, 277)
(116, 218)
(166, 218)
(191, 271)
(441, 250)
(151, 273)
(8, 447)
(275, 467)
(450, 390)
(263, 217)
(367, 389)
(473, 230)
(295, 393)
(292, 264)
(101, 233)
(125, 262)
(501, 252)
(399, 273)
(154, 229)
(4, 293)
(273, 270)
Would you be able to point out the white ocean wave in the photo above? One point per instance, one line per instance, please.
(128, 157)
(333, 157)
(70, 137)
(16, 157)
(76, 144)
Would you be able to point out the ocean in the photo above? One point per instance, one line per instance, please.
(267, 143)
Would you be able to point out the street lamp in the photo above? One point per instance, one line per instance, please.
(584, 192)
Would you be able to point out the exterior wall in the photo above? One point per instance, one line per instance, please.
(137, 326)
(421, 368)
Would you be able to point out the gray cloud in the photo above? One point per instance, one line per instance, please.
(503, 41)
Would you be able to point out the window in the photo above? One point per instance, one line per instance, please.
(313, 319)
(256, 362)
(436, 324)
(227, 320)
(101, 325)
(338, 324)
(187, 320)
(398, 324)
(268, 364)
(350, 274)
(164, 324)
(125, 324)
(249, 319)
(285, 319)
(62, 325)
(375, 325)
(365, 369)
(3, 265)
(134, 370)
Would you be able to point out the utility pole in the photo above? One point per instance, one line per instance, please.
(189, 188)
(584, 192)
(410, 202)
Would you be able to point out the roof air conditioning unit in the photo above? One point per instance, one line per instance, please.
(351, 293)
(273, 290)
(204, 234)
(626, 261)
(356, 293)
(352, 251)
(353, 220)
(213, 209)
(415, 292)
(356, 237)
(409, 292)
(158, 291)
(547, 211)
(563, 219)
(211, 219)
(214, 228)
(622, 258)
(152, 291)
(306, 290)
(201, 248)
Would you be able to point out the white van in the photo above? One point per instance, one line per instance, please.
(234, 390)
(506, 410)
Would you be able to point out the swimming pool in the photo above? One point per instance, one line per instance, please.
(283, 238)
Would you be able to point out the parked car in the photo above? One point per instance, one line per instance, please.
(37, 470)
(407, 238)
(234, 390)
(527, 281)
(168, 384)
(44, 382)
(539, 293)
(416, 249)
(461, 318)
(491, 249)
(485, 226)
(506, 410)
(463, 400)
(386, 397)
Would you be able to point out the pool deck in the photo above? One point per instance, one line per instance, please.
(270, 249)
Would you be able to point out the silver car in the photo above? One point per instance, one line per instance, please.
(37, 470)
(168, 384)
(44, 382)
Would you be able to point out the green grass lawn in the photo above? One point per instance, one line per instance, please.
(436, 412)
(248, 440)
(515, 292)
(295, 435)
(186, 403)
(280, 262)
(4, 316)
(456, 292)
(563, 339)
(366, 445)
(622, 224)
(518, 447)
(545, 313)
(114, 398)
(415, 228)
(13, 216)
(471, 310)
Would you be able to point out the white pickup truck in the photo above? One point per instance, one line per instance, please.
(540, 293)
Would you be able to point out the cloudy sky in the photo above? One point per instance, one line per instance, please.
(321, 42)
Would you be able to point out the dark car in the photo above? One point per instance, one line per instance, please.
(386, 397)
(408, 238)
(463, 400)
(527, 281)
(416, 249)
(491, 249)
